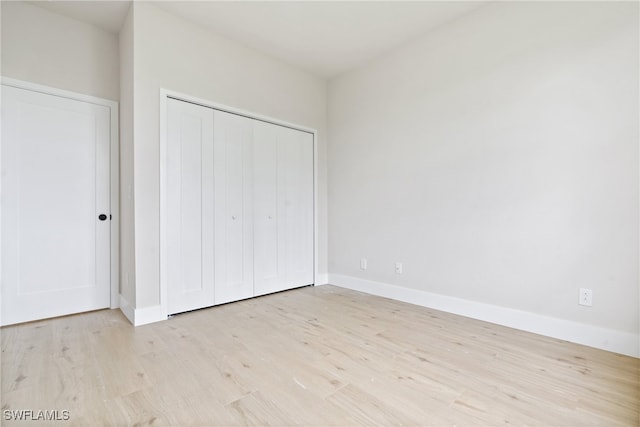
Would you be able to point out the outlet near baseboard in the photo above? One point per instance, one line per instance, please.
(586, 297)
(398, 268)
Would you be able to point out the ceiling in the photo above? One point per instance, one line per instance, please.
(325, 38)
(108, 15)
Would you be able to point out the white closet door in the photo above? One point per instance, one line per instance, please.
(269, 239)
(55, 186)
(190, 279)
(283, 185)
(295, 155)
(233, 137)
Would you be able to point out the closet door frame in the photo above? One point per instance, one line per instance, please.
(165, 94)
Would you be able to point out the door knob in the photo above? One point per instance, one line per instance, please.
(102, 217)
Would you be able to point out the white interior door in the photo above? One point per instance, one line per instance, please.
(283, 186)
(233, 141)
(190, 283)
(55, 184)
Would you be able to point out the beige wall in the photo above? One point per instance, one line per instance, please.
(50, 49)
(497, 158)
(174, 54)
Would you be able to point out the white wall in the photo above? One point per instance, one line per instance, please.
(50, 49)
(174, 54)
(127, 226)
(497, 158)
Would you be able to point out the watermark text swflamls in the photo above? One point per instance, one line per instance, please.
(36, 415)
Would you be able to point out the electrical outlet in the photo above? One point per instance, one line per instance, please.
(363, 263)
(398, 268)
(586, 297)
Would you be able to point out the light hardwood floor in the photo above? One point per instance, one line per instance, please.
(310, 357)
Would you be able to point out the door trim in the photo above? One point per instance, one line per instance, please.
(165, 94)
(114, 169)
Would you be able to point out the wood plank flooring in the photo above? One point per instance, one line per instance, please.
(322, 356)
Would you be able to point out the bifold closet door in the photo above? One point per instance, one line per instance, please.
(239, 207)
(283, 208)
(233, 164)
(189, 206)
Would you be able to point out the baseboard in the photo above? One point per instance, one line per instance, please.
(142, 316)
(592, 336)
(322, 279)
(127, 310)
(150, 315)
